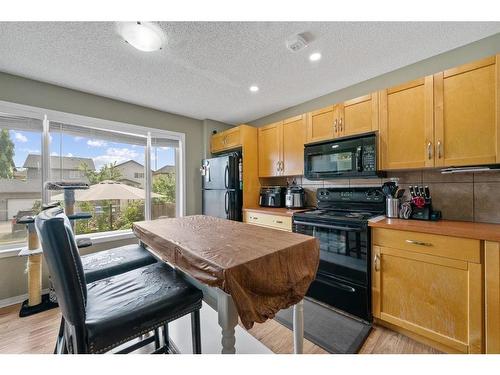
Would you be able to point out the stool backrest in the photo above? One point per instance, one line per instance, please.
(64, 263)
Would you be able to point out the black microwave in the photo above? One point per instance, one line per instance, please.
(348, 157)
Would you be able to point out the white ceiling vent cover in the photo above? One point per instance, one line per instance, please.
(296, 43)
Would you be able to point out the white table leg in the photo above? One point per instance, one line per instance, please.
(228, 319)
(298, 328)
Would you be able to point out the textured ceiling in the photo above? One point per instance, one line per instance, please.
(206, 68)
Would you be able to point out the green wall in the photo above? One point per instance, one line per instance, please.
(477, 50)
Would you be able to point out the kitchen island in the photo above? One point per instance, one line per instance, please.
(244, 270)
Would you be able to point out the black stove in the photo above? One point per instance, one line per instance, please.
(340, 222)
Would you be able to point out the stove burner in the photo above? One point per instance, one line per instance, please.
(355, 214)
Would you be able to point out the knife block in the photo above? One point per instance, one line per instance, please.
(423, 213)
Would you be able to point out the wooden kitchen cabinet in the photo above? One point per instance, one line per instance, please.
(407, 125)
(281, 147)
(492, 296)
(269, 140)
(268, 220)
(320, 124)
(226, 140)
(467, 120)
(357, 116)
(420, 287)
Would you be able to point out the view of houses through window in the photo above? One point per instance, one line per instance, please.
(112, 164)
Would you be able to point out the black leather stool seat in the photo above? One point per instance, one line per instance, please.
(115, 261)
(127, 305)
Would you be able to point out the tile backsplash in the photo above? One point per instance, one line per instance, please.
(461, 196)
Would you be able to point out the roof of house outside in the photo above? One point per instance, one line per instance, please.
(165, 169)
(128, 162)
(68, 162)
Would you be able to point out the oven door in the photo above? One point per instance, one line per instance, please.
(342, 280)
(344, 250)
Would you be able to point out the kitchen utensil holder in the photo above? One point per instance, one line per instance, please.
(392, 207)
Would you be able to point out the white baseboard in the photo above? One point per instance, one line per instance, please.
(17, 299)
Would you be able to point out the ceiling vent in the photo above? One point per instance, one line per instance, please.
(297, 43)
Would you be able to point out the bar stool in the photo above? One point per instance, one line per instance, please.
(112, 311)
(103, 264)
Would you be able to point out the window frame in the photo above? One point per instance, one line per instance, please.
(48, 115)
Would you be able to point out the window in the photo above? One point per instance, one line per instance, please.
(163, 161)
(113, 158)
(106, 161)
(20, 177)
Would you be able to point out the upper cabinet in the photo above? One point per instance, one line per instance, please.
(226, 140)
(320, 124)
(269, 140)
(281, 147)
(466, 114)
(355, 116)
(293, 134)
(406, 125)
(446, 120)
(358, 115)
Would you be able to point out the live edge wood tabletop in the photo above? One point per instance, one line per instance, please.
(438, 282)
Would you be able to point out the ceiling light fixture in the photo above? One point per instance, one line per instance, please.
(315, 56)
(254, 88)
(145, 36)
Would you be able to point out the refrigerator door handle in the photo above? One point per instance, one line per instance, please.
(226, 176)
(226, 204)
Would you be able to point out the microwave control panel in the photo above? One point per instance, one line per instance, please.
(369, 158)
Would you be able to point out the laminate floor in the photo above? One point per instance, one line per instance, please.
(37, 334)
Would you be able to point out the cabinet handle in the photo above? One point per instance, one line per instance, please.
(254, 218)
(376, 261)
(340, 125)
(278, 221)
(429, 150)
(335, 125)
(278, 166)
(439, 149)
(282, 166)
(420, 243)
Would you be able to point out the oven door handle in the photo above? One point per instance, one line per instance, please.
(336, 284)
(327, 226)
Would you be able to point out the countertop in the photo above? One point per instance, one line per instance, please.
(464, 229)
(283, 211)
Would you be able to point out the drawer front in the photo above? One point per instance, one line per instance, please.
(445, 246)
(266, 220)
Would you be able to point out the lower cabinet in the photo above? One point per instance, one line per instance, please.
(420, 287)
(268, 220)
(492, 296)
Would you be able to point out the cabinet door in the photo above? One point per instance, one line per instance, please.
(320, 124)
(232, 138)
(359, 115)
(294, 130)
(406, 125)
(492, 294)
(270, 149)
(217, 143)
(225, 140)
(435, 297)
(467, 121)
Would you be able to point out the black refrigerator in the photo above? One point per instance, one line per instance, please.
(222, 186)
